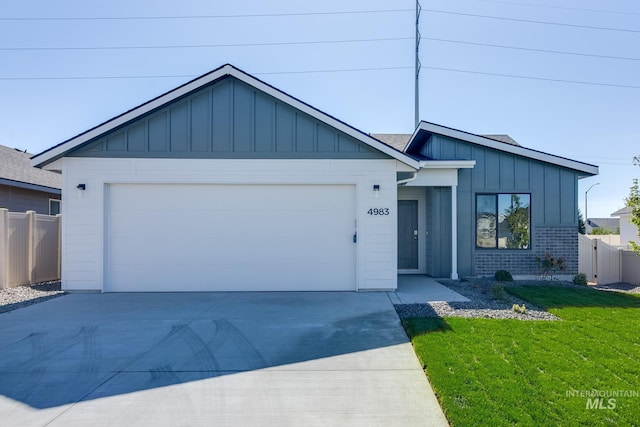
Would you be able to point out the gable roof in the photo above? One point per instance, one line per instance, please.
(428, 128)
(400, 140)
(502, 138)
(65, 147)
(16, 170)
(623, 211)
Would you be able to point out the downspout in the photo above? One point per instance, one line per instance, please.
(404, 181)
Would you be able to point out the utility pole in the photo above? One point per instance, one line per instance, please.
(417, 69)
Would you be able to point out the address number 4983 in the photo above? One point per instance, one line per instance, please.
(378, 211)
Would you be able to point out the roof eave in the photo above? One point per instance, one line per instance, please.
(585, 168)
(60, 150)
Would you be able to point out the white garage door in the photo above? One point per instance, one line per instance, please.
(230, 237)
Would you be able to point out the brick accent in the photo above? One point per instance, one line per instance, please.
(557, 241)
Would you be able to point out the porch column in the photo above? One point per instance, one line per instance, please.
(454, 232)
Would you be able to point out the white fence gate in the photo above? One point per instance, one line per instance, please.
(604, 264)
(29, 248)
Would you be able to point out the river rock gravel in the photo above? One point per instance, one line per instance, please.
(483, 304)
(23, 296)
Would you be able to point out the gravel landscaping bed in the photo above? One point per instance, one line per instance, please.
(620, 287)
(23, 296)
(483, 304)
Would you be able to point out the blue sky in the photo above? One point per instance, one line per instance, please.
(60, 77)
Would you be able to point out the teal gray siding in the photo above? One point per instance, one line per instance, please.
(554, 200)
(227, 119)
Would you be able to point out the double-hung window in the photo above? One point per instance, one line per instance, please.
(503, 221)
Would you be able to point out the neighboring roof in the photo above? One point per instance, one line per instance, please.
(623, 211)
(611, 224)
(502, 138)
(395, 140)
(16, 171)
(65, 147)
(585, 168)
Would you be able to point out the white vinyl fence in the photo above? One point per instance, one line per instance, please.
(29, 248)
(604, 264)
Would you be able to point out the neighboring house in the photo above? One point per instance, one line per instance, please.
(24, 187)
(611, 224)
(628, 230)
(227, 183)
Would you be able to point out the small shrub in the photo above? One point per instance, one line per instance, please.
(549, 265)
(497, 289)
(580, 279)
(503, 276)
(522, 309)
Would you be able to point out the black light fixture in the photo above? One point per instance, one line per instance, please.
(81, 187)
(376, 190)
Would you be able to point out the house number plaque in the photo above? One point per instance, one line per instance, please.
(378, 211)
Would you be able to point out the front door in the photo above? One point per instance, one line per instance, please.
(407, 234)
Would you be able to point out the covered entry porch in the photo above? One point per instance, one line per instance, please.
(428, 219)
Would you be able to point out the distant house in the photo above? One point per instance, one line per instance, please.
(611, 224)
(24, 188)
(628, 230)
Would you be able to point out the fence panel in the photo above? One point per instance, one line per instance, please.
(607, 263)
(587, 257)
(46, 242)
(630, 267)
(18, 249)
(29, 248)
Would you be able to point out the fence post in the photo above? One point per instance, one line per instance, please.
(4, 248)
(595, 260)
(31, 235)
(59, 218)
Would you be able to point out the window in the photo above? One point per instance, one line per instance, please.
(54, 207)
(503, 221)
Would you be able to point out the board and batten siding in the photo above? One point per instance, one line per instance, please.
(85, 224)
(553, 189)
(227, 119)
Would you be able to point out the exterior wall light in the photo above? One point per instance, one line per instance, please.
(81, 187)
(376, 190)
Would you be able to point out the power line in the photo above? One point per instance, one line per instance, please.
(198, 46)
(192, 75)
(548, 6)
(559, 52)
(532, 78)
(531, 21)
(341, 70)
(246, 15)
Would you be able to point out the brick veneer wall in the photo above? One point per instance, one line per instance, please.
(557, 241)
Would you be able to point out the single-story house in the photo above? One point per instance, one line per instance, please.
(227, 183)
(612, 225)
(628, 230)
(26, 188)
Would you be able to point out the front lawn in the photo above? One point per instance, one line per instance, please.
(508, 372)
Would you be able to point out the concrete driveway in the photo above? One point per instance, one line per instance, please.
(287, 358)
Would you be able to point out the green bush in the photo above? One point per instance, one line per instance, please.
(503, 276)
(497, 289)
(580, 279)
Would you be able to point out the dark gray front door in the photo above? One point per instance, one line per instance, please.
(407, 234)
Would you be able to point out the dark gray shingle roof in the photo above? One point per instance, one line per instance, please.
(502, 138)
(611, 224)
(15, 165)
(395, 140)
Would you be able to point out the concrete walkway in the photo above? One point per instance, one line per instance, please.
(418, 289)
(316, 358)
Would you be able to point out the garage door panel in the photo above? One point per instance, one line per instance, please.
(231, 237)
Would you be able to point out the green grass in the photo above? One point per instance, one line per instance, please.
(513, 372)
